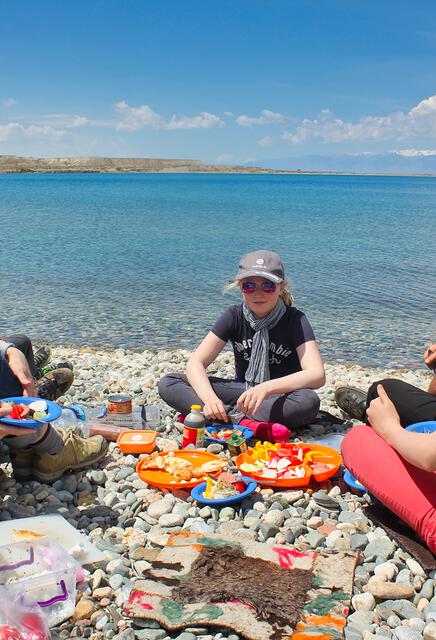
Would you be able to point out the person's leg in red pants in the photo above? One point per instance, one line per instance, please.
(406, 490)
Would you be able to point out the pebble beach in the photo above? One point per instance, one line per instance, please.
(393, 595)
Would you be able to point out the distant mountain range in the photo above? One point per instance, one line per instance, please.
(395, 162)
(398, 162)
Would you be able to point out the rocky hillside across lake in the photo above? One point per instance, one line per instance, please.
(17, 164)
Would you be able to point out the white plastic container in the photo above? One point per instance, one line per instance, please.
(40, 572)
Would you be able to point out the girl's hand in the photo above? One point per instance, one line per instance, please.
(382, 415)
(430, 357)
(214, 409)
(20, 368)
(251, 400)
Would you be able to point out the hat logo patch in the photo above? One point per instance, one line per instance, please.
(260, 261)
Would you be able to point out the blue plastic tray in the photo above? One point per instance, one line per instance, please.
(246, 432)
(197, 494)
(53, 410)
(423, 427)
(351, 481)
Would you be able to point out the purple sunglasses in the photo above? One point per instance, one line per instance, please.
(266, 286)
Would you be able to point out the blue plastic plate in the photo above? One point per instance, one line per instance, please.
(351, 481)
(423, 427)
(197, 494)
(53, 410)
(246, 432)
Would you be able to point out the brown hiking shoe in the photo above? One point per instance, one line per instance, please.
(22, 462)
(42, 356)
(352, 401)
(54, 384)
(77, 453)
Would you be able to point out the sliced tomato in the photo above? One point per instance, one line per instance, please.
(240, 486)
(15, 414)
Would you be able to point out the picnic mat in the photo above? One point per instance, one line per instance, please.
(260, 591)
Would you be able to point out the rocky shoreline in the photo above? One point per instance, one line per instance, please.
(393, 596)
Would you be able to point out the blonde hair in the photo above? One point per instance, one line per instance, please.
(285, 295)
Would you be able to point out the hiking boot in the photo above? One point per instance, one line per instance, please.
(352, 401)
(77, 453)
(42, 356)
(63, 364)
(54, 384)
(22, 463)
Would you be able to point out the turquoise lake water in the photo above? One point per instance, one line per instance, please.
(141, 260)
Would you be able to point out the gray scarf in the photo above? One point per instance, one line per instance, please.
(258, 368)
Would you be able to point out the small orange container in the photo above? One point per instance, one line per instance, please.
(137, 441)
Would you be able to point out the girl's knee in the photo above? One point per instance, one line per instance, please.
(163, 385)
(168, 381)
(307, 408)
(353, 441)
(390, 385)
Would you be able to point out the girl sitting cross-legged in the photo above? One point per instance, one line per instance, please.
(277, 361)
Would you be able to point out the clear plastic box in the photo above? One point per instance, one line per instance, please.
(40, 572)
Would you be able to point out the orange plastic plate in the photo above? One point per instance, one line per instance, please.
(326, 455)
(140, 441)
(165, 480)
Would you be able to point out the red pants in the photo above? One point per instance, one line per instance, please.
(406, 490)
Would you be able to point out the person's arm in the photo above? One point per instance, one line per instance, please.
(202, 357)
(430, 361)
(311, 376)
(417, 448)
(20, 368)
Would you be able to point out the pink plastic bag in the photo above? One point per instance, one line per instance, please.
(21, 623)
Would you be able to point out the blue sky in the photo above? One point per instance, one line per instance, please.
(228, 81)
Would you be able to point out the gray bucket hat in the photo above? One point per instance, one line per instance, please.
(265, 264)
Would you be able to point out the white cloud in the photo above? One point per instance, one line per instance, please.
(224, 157)
(420, 120)
(266, 141)
(134, 118)
(9, 102)
(266, 117)
(204, 120)
(14, 129)
(414, 153)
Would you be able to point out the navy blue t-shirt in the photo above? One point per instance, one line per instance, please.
(292, 330)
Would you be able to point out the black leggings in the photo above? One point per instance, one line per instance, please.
(413, 404)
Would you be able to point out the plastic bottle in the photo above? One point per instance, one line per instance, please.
(74, 417)
(193, 430)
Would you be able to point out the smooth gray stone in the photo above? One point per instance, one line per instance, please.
(380, 547)
(314, 539)
(351, 517)
(358, 541)
(361, 620)
(352, 633)
(150, 634)
(403, 608)
(406, 633)
(404, 576)
(427, 590)
(430, 612)
(393, 621)
(268, 530)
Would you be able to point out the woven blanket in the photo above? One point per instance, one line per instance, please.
(260, 591)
